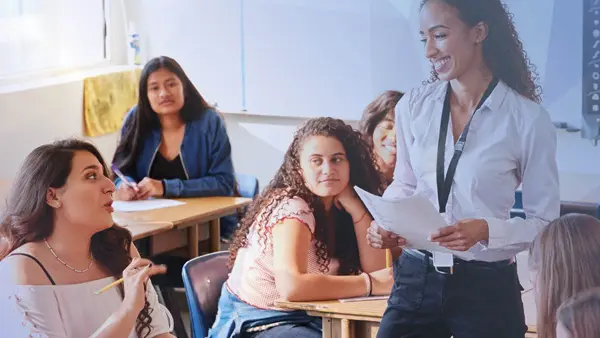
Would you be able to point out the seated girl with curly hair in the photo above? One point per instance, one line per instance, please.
(304, 237)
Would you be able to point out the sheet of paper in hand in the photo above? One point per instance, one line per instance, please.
(413, 218)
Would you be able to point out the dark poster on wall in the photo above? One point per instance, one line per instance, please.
(591, 70)
(591, 57)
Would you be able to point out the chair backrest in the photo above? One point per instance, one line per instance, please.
(247, 185)
(592, 209)
(566, 207)
(203, 278)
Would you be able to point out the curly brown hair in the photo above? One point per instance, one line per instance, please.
(334, 231)
(28, 218)
(502, 49)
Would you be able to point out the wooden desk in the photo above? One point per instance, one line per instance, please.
(143, 230)
(351, 319)
(190, 214)
(345, 320)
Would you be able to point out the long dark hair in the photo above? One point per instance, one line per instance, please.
(332, 228)
(502, 50)
(28, 218)
(145, 119)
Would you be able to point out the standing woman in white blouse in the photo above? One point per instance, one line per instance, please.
(482, 88)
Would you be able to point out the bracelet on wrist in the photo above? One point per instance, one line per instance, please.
(361, 217)
(368, 283)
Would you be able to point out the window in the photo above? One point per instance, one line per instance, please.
(42, 35)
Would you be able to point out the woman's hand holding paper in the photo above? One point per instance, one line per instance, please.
(462, 235)
(380, 238)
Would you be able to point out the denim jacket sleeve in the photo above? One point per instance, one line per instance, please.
(119, 155)
(220, 178)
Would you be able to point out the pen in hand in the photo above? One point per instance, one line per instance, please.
(109, 286)
(122, 279)
(125, 180)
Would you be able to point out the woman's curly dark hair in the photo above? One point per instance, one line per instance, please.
(502, 50)
(28, 218)
(331, 228)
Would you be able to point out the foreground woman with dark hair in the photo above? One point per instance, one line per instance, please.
(62, 246)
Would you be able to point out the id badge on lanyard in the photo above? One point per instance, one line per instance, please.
(444, 182)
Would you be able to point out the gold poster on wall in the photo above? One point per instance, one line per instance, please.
(106, 100)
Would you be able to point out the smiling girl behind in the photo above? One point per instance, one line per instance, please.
(378, 127)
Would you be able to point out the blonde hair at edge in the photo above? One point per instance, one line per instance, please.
(580, 315)
(564, 259)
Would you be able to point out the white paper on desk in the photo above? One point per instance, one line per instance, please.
(413, 218)
(142, 205)
(360, 299)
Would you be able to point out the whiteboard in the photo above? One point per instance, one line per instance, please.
(309, 58)
(325, 57)
(204, 36)
(312, 58)
(553, 40)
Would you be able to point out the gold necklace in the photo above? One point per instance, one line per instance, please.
(67, 265)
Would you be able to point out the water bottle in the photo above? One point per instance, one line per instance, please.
(133, 50)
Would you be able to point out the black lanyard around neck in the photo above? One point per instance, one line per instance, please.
(445, 184)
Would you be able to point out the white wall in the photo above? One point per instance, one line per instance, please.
(36, 116)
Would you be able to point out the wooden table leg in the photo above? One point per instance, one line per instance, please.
(327, 328)
(215, 235)
(347, 328)
(192, 233)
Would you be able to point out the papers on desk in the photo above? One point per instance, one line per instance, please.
(413, 218)
(142, 205)
(360, 299)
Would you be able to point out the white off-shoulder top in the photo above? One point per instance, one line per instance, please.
(68, 311)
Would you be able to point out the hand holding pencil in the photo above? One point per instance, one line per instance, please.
(134, 279)
(128, 190)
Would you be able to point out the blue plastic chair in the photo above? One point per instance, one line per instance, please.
(247, 185)
(203, 278)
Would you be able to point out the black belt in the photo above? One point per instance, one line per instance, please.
(459, 261)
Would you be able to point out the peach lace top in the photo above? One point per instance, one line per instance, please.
(252, 278)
